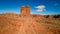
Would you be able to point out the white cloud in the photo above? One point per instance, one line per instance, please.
(40, 8)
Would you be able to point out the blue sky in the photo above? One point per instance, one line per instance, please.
(36, 6)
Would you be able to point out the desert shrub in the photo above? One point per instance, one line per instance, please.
(46, 16)
(34, 16)
(56, 16)
(48, 22)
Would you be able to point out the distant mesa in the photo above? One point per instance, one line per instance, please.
(25, 11)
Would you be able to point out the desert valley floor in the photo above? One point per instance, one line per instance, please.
(15, 24)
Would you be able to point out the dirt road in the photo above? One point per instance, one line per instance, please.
(21, 25)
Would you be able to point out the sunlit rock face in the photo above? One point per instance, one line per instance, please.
(25, 11)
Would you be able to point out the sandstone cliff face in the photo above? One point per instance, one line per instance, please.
(25, 11)
(14, 24)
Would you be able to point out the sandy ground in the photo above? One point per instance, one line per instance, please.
(21, 25)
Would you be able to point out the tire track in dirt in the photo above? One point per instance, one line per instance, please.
(22, 25)
(30, 26)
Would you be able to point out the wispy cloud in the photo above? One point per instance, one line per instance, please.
(40, 8)
(56, 4)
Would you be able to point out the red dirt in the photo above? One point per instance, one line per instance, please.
(21, 25)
